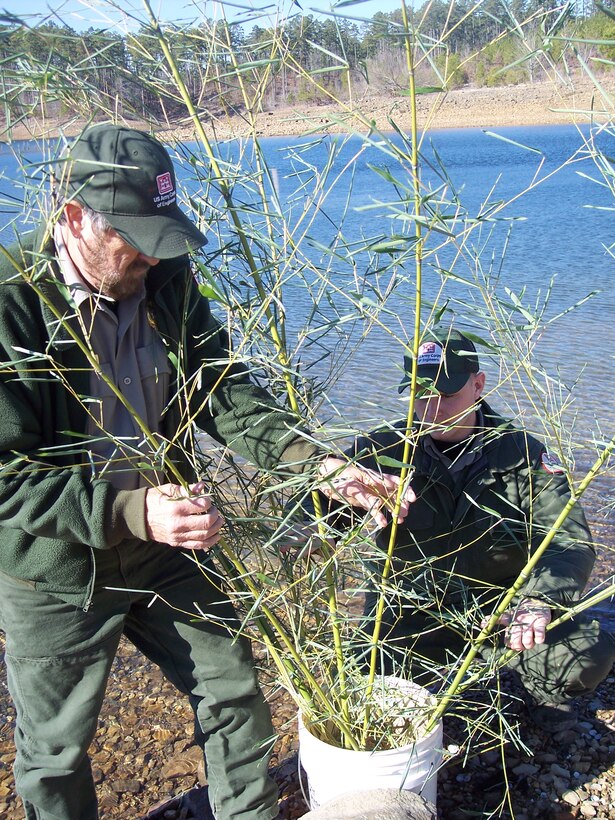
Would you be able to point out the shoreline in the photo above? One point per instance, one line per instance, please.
(527, 104)
(519, 105)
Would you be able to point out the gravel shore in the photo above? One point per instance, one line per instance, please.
(543, 103)
(540, 103)
(144, 760)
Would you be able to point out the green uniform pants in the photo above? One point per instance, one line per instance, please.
(58, 659)
(575, 659)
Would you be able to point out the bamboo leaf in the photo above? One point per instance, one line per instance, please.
(314, 72)
(513, 142)
(594, 79)
(392, 245)
(265, 579)
(387, 461)
(331, 54)
(209, 292)
(432, 224)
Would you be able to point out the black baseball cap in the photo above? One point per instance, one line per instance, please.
(445, 360)
(127, 176)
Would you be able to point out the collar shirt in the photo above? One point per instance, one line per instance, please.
(458, 467)
(133, 357)
(465, 456)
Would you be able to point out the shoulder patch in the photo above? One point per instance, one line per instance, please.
(551, 464)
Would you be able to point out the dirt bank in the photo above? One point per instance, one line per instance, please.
(541, 103)
(528, 104)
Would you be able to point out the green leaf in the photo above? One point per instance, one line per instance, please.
(208, 285)
(327, 70)
(264, 579)
(209, 293)
(593, 78)
(520, 307)
(391, 245)
(387, 461)
(331, 54)
(430, 224)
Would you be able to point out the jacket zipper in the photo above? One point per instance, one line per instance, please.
(90, 590)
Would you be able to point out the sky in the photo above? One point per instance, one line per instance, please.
(81, 14)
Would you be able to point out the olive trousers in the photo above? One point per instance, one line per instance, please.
(59, 657)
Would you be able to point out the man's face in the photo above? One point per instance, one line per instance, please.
(451, 416)
(106, 261)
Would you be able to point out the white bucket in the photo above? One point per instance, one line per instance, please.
(332, 771)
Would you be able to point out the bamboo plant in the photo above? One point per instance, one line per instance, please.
(384, 282)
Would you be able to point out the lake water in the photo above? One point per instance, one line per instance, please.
(562, 228)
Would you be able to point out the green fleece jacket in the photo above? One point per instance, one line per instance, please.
(475, 535)
(53, 514)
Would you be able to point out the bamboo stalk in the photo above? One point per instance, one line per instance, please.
(408, 444)
(275, 335)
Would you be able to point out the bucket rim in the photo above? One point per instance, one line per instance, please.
(423, 738)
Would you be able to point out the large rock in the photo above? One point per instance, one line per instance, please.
(377, 804)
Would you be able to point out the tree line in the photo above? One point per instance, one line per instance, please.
(305, 59)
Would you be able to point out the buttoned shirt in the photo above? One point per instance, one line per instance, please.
(466, 453)
(132, 357)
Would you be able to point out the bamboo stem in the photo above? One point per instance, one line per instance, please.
(275, 335)
(408, 444)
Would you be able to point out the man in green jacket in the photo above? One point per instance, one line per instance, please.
(486, 495)
(110, 356)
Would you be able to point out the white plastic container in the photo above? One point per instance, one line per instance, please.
(332, 771)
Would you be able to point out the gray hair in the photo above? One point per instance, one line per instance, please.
(99, 221)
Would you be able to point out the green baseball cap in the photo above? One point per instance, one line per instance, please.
(445, 360)
(128, 177)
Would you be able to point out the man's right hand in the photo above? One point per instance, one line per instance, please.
(185, 519)
(363, 488)
(526, 626)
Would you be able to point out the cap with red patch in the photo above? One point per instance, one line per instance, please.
(551, 464)
(444, 361)
(128, 176)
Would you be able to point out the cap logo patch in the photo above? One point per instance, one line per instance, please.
(429, 353)
(165, 183)
(166, 191)
(551, 464)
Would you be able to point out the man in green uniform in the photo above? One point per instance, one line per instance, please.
(110, 357)
(486, 495)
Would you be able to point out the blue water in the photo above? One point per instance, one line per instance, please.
(562, 228)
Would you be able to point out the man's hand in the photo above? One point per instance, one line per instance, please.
(363, 488)
(526, 626)
(187, 520)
